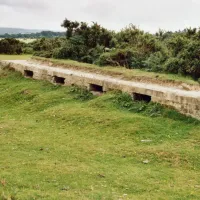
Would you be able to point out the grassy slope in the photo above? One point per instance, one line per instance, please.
(56, 147)
(14, 57)
(126, 73)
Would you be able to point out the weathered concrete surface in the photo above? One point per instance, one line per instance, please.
(186, 102)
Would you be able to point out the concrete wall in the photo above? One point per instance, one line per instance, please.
(186, 102)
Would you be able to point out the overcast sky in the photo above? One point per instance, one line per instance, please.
(149, 15)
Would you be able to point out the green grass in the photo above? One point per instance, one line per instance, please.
(135, 74)
(62, 143)
(15, 57)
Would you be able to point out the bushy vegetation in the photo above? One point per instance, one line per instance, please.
(10, 46)
(169, 52)
(45, 47)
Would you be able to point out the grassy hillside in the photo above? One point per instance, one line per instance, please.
(63, 143)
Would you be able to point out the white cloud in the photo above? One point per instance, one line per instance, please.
(33, 4)
(114, 14)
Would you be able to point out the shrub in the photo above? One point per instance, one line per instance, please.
(173, 52)
(155, 62)
(105, 59)
(191, 56)
(93, 54)
(28, 50)
(87, 59)
(176, 44)
(71, 49)
(45, 47)
(119, 57)
(174, 65)
(10, 46)
(45, 54)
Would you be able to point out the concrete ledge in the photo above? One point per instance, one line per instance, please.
(186, 102)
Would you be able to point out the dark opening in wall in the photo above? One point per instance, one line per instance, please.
(96, 88)
(28, 73)
(59, 80)
(141, 97)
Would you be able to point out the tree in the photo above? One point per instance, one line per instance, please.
(10, 46)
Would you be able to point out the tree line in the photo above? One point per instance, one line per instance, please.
(165, 51)
(46, 34)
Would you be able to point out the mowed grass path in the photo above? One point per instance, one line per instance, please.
(55, 146)
(15, 57)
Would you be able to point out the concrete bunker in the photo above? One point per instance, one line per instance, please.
(141, 97)
(95, 88)
(59, 80)
(186, 102)
(28, 73)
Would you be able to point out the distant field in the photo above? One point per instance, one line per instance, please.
(15, 57)
(62, 143)
(28, 40)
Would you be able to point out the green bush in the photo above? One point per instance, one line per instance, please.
(45, 47)
(28, 50)
(105, 59)
(45, 54)
(155, 62)
(10, 46)
(174, 65)
(172, 52)
(119, 57)
(93, 54)
(191, 57)
(61, 53)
